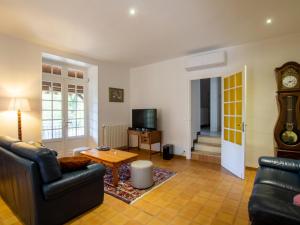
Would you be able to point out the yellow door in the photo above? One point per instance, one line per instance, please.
(233, 146)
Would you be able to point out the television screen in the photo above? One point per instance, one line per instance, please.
(144, 119)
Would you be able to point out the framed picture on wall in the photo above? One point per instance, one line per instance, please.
(116, 95)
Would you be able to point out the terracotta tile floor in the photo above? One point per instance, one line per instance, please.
(200, 193)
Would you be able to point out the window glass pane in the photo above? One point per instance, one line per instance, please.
(71, 97)
(71, 123)
(80, 97)
(47, 115)
(57, 124)
(47, 124)
(80, 131)
(57, 105)
(47, 134)
(52, 122)
(80, 114)
(72, 115)
(57, 133)
(71, 105)
(46, 95)
(80, 123)
(72, 132)
(47, 105)
(57, 115)
(57, 95)
(80, 106)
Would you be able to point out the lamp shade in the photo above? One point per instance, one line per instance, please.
(21, 104)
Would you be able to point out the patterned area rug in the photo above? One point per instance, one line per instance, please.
(124, 191)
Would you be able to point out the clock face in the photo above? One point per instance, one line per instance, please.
(290, 78)
(289, 81)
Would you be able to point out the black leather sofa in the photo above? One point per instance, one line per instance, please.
(33, 186)
(276, 183)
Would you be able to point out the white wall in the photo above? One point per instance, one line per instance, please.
(164, 85)
(113, 113)
(20, 75)
(93, 106)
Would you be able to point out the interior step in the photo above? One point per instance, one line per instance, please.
(209, 140)
(206, 147)
(210, 157)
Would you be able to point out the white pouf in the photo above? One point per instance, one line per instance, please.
(141, 174)
(76, 151)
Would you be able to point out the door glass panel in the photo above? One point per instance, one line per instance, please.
(233, 108)
(57, 96)
(72, 114)
(47, 105)
(53, 103)
(226, 135)
(57, 115)
(72, 123)
(47, 134)
(72, 105)
(76, 122)
(57, 124)
(47, 115)
(47, 124)
(57, 133)
(238, 138)
(57, 105)
(51, 110)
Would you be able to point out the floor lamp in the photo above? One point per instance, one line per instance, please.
(20, 105)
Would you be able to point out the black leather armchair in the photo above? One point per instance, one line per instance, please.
(38, 193)
(277, 182)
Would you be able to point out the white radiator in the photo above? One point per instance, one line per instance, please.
(115, 136)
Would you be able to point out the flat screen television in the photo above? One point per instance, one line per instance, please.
(144, 119)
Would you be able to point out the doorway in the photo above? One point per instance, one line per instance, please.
(233, 121)
(69, 111)
(206, 118)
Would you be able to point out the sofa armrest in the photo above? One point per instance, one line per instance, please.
(280, 163)
(73, 180)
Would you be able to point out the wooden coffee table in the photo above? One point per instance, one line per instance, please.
(112, 158)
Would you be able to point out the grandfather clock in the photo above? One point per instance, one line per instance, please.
(287, 129)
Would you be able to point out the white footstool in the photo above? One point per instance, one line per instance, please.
(141, 174)
(76, 151)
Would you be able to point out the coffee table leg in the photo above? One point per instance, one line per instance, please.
(115, 175)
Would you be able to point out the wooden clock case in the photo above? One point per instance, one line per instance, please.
(283, 149)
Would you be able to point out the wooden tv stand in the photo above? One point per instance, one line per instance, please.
(146, 137)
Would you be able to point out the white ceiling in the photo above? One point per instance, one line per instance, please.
(162, 29)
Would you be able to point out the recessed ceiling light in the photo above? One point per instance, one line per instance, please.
(268, 21)
(132, 11)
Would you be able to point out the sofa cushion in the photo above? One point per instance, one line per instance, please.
(6, 141)
(292, 165)
(48, 164)
(68, 164)
(273, 205)
(73, 180)
(279, 178)
(40, 145)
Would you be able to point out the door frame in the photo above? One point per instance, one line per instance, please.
(65, 80)
(198, 75)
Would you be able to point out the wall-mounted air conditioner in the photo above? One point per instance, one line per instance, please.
(205, 60)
